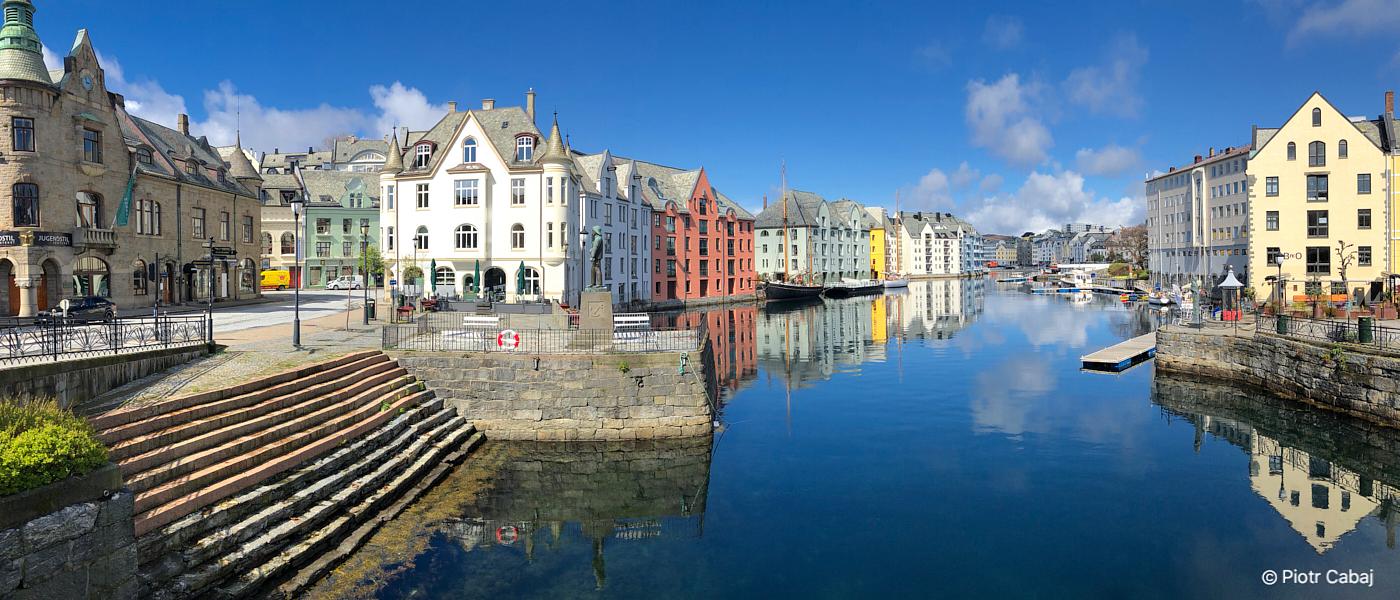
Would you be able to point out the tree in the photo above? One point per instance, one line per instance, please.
(1133, 242)
(1345, 256)
(372, 263)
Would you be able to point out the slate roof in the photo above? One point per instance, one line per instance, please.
(346, 150)
(281, 161)
(726, 203)
(501, 127)
(802, 210)
(661, 184)
(329, 188)
(171, 149)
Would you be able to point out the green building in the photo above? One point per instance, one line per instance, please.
(338, 204)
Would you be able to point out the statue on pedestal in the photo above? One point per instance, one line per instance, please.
(595, 253)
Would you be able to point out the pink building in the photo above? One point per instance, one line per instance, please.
(702, 245)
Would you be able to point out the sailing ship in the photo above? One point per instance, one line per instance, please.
(788, 288)
(892, 277)
(854, 287)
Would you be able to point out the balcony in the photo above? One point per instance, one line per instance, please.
(96, 238)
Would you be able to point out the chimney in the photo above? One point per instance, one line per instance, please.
(452, 106)
(1389, 102)
(276, 150)
(488, 104)
(765, 202)
(530, 104)
(184, 121)
(1198, 158)
(1212, 151)
(310, 149)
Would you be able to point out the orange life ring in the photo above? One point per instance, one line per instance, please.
(507, 535)
(508, 339)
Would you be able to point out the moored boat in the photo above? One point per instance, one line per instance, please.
(853, 287)
(896, 282)
(777, 291)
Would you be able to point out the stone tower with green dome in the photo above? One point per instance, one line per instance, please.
(21, 54)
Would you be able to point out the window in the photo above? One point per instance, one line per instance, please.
(524, 148)
(345, 225)
(1270, 186)
(422, 153)
(1363, 218)
(190, 166)
(347, 249)
(420, 238)
(22, 134)
(323, 249)
(1363, 183)
(288, 243)
(143, 156)
(704, 205)
(1317, 117)
(1272, 255)
(92, 146)
(26, 204)
(323, 226)
(1317, 154)
(517, 237)
(1317, 188)
(389, 238)
(1271, 220)
(466, 192)
(197, 223)
(469, 150)
(704, 227)
(89, 210)
(670, 246)
(517, 190)
(444, 277)
(549, 190)
(1363, 256)
(1341, 148)
(1292, 151)
(1317, 223)
(224, 225)
(1319, 260)
(671, 224)
(389, 195)
(357, 199)
(549, 234)
(704, 247)
(421, 195)
(466, 237)
(139, 283)
(248, 230)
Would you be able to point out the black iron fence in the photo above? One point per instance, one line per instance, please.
(22, 341)
(456, 332)
(1366, 333)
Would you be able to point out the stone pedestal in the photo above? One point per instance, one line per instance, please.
(595, 311)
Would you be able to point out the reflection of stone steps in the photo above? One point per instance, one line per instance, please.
(234, 488)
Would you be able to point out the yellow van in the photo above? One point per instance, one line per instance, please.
(278, 279)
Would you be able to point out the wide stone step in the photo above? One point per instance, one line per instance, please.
(174, 499)
(163, 464)
(270, 531)
(275, 435)
(308, 547)
(163, 551)
(119, 426)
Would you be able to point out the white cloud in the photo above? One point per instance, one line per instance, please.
(1003, 33)
(403, 106)
(1111, 88)
(1346, 18)
(1000, 119)
(936, 55)
(965, 175)
(1049, 200)
(1108, 161)
(933, 192)
(990, 183)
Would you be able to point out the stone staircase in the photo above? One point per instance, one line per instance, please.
(240, 488)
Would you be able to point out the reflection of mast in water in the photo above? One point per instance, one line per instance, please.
(787, 367)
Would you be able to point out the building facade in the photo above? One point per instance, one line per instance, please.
(879, 255)
(105, 203)
(702, 242)
(1316, 199)
(804, 237)
(611, 200)
(339, 206)
(1197, 219)
(347, 153)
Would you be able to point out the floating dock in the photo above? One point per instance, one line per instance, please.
(1123, 355)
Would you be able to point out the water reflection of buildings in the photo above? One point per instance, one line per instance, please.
(549, 497)
(731, 330)
(1323, 473)
(939, 309)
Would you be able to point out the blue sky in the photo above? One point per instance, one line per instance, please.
(1018, 115)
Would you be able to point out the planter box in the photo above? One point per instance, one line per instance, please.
(18, 509)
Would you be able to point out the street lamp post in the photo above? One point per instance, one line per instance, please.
(209, 304)
(297, 203)
(1278, 260)
(364, 260)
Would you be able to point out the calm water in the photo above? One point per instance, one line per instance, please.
(940, 442)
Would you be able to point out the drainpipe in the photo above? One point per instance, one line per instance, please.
(178, 293)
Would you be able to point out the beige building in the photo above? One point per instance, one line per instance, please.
(1316, 182)
(1197, 219)
(105, 203)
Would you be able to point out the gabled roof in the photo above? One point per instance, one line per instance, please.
(329, 188)
(802, 210)
(1371, 130)
(501, 126)
(661, 184)
(173, 147)
(725, 203)
(346, 150)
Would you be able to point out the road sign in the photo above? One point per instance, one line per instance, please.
(221, 251)
(393, 282)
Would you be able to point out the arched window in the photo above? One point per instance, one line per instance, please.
(420, 239)
(524, 148)
(517, 237)
(468, 283)
(267, 243)
(1317, 154)
(26, 204)
(532, 281)
(469, 150)
(89, 210)
(247, 273)
(1292, 151)
(1317, 117)
(91, 277)
(140, 285)
(444, 277)
(1341, 148)
(421, 154)
(143, 156)
(466, 237)
(289, 242)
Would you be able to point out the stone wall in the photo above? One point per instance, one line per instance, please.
(558, 397)
(78, 380)
(71, 539)
(1355, 380)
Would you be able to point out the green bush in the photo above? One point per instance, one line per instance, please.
(1118, 269)
(41, 443)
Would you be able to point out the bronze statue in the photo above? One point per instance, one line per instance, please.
(595, 251)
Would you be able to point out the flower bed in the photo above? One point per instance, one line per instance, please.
(41, 443)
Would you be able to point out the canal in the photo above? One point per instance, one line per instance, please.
(935, 442)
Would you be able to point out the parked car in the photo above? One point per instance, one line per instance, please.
(345, 283)
(83, 309)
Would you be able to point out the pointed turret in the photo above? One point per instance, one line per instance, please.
(556, 153)
(395, 162)
(21, 54)
(238, 164)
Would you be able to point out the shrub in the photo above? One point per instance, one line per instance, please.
(41, 443)
(1118, 269)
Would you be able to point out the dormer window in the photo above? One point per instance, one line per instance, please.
(143, 156)
(421, 154)
(524, 148)
(223, 176)
(190, 166)
(469, 150)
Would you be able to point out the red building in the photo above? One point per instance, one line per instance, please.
(731, 331)
(702, 245)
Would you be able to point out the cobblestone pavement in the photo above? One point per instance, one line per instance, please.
(250, 353)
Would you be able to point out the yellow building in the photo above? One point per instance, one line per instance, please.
(1314, 183)
(878, 263)
(1391, 130)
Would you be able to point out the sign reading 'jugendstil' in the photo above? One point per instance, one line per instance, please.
(41, 238)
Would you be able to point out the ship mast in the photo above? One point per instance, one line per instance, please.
(784, 237)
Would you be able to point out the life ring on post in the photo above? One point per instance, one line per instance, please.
(508, 339)
(507, 535)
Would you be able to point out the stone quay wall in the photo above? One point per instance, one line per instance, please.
(70, 539)
(74, 381)
(1360, 381)
(566, 397)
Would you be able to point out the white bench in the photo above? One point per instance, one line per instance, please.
(476, 329)
(478, 322)
(632, 321)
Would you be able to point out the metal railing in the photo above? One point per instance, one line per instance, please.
(26, 342)
(1323, 330)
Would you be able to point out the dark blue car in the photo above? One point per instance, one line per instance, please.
(83, 309)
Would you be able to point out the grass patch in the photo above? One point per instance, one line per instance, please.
(41, 443)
